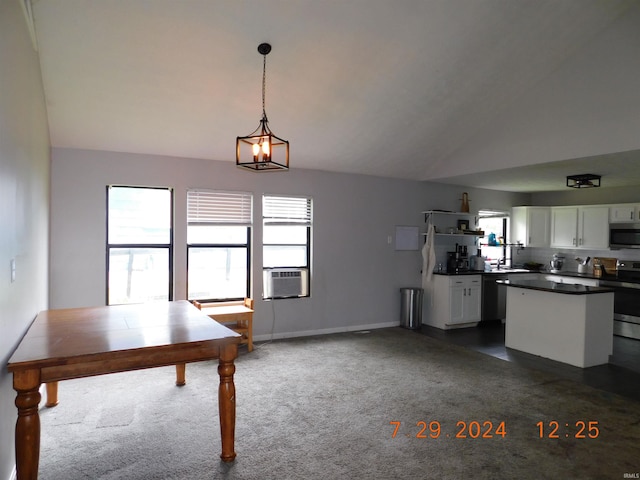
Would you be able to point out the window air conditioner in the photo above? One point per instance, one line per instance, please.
(285, 283)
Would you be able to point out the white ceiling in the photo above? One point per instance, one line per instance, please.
(382, 87)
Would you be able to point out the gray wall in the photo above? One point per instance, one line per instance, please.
(357, 274)
(24, 204)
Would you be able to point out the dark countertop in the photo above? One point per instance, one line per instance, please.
(553, 287)
(563, 273)
(505, 271)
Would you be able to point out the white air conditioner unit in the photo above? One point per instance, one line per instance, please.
(285, 282)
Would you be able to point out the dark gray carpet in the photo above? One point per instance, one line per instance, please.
(321, 407)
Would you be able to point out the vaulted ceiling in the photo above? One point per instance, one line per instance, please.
(477, 92)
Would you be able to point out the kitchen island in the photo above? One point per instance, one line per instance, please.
(563, 322)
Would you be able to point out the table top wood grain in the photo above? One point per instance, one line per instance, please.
(62, 336)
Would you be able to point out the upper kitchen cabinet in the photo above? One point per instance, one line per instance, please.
(624, 213)
(530, 226)
(564, 227)
(580, 227)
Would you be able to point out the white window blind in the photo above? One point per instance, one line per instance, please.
(278, 210)
(218, 207)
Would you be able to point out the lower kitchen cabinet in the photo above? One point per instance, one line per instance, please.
(454, 301)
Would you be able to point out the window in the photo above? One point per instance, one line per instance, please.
(495, 242)
(139, 244)
(286, 249)
(218, 245)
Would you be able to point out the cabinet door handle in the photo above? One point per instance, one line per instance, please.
(529, 238)
(631, 216)
(573, 242)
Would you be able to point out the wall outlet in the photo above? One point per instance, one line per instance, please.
(13, 270)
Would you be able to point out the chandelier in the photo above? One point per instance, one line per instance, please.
(586, 180)
(261, 150)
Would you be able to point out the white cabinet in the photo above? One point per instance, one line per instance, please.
(593, 227)
(624, 213)
(465, 299)
(530, 226)
(454, 301)
(564, 227)
(580, 227)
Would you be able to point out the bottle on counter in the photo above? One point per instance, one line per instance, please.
(597, 270)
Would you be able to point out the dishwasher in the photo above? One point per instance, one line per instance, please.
(494, 297)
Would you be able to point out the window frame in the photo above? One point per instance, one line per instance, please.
(505, 219)
(169, 246)
(247, 245)
(308, 224)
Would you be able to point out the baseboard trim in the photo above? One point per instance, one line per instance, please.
(324, 331)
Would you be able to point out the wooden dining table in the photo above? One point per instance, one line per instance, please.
(80, 342)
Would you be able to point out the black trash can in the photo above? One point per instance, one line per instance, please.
(411, 308)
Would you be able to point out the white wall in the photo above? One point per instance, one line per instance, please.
(587, 196)
(588, 107)
(24, 204)
(356, 273)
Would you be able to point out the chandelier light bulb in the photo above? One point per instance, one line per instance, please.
(265, 148)
(256, 149)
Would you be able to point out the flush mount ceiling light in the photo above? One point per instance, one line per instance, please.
(261, 150)
(586, 180)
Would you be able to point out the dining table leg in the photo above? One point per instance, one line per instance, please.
(52, 394)
(181, 372)
(27, 384)
(227, 400)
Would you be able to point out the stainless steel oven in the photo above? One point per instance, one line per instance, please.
(626, 299)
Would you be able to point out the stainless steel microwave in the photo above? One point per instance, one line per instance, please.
(624, 235)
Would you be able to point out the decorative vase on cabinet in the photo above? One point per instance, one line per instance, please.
(465, 203)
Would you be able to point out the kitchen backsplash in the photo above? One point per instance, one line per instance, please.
(544, 255)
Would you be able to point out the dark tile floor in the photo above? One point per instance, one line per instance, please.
(621, 375)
